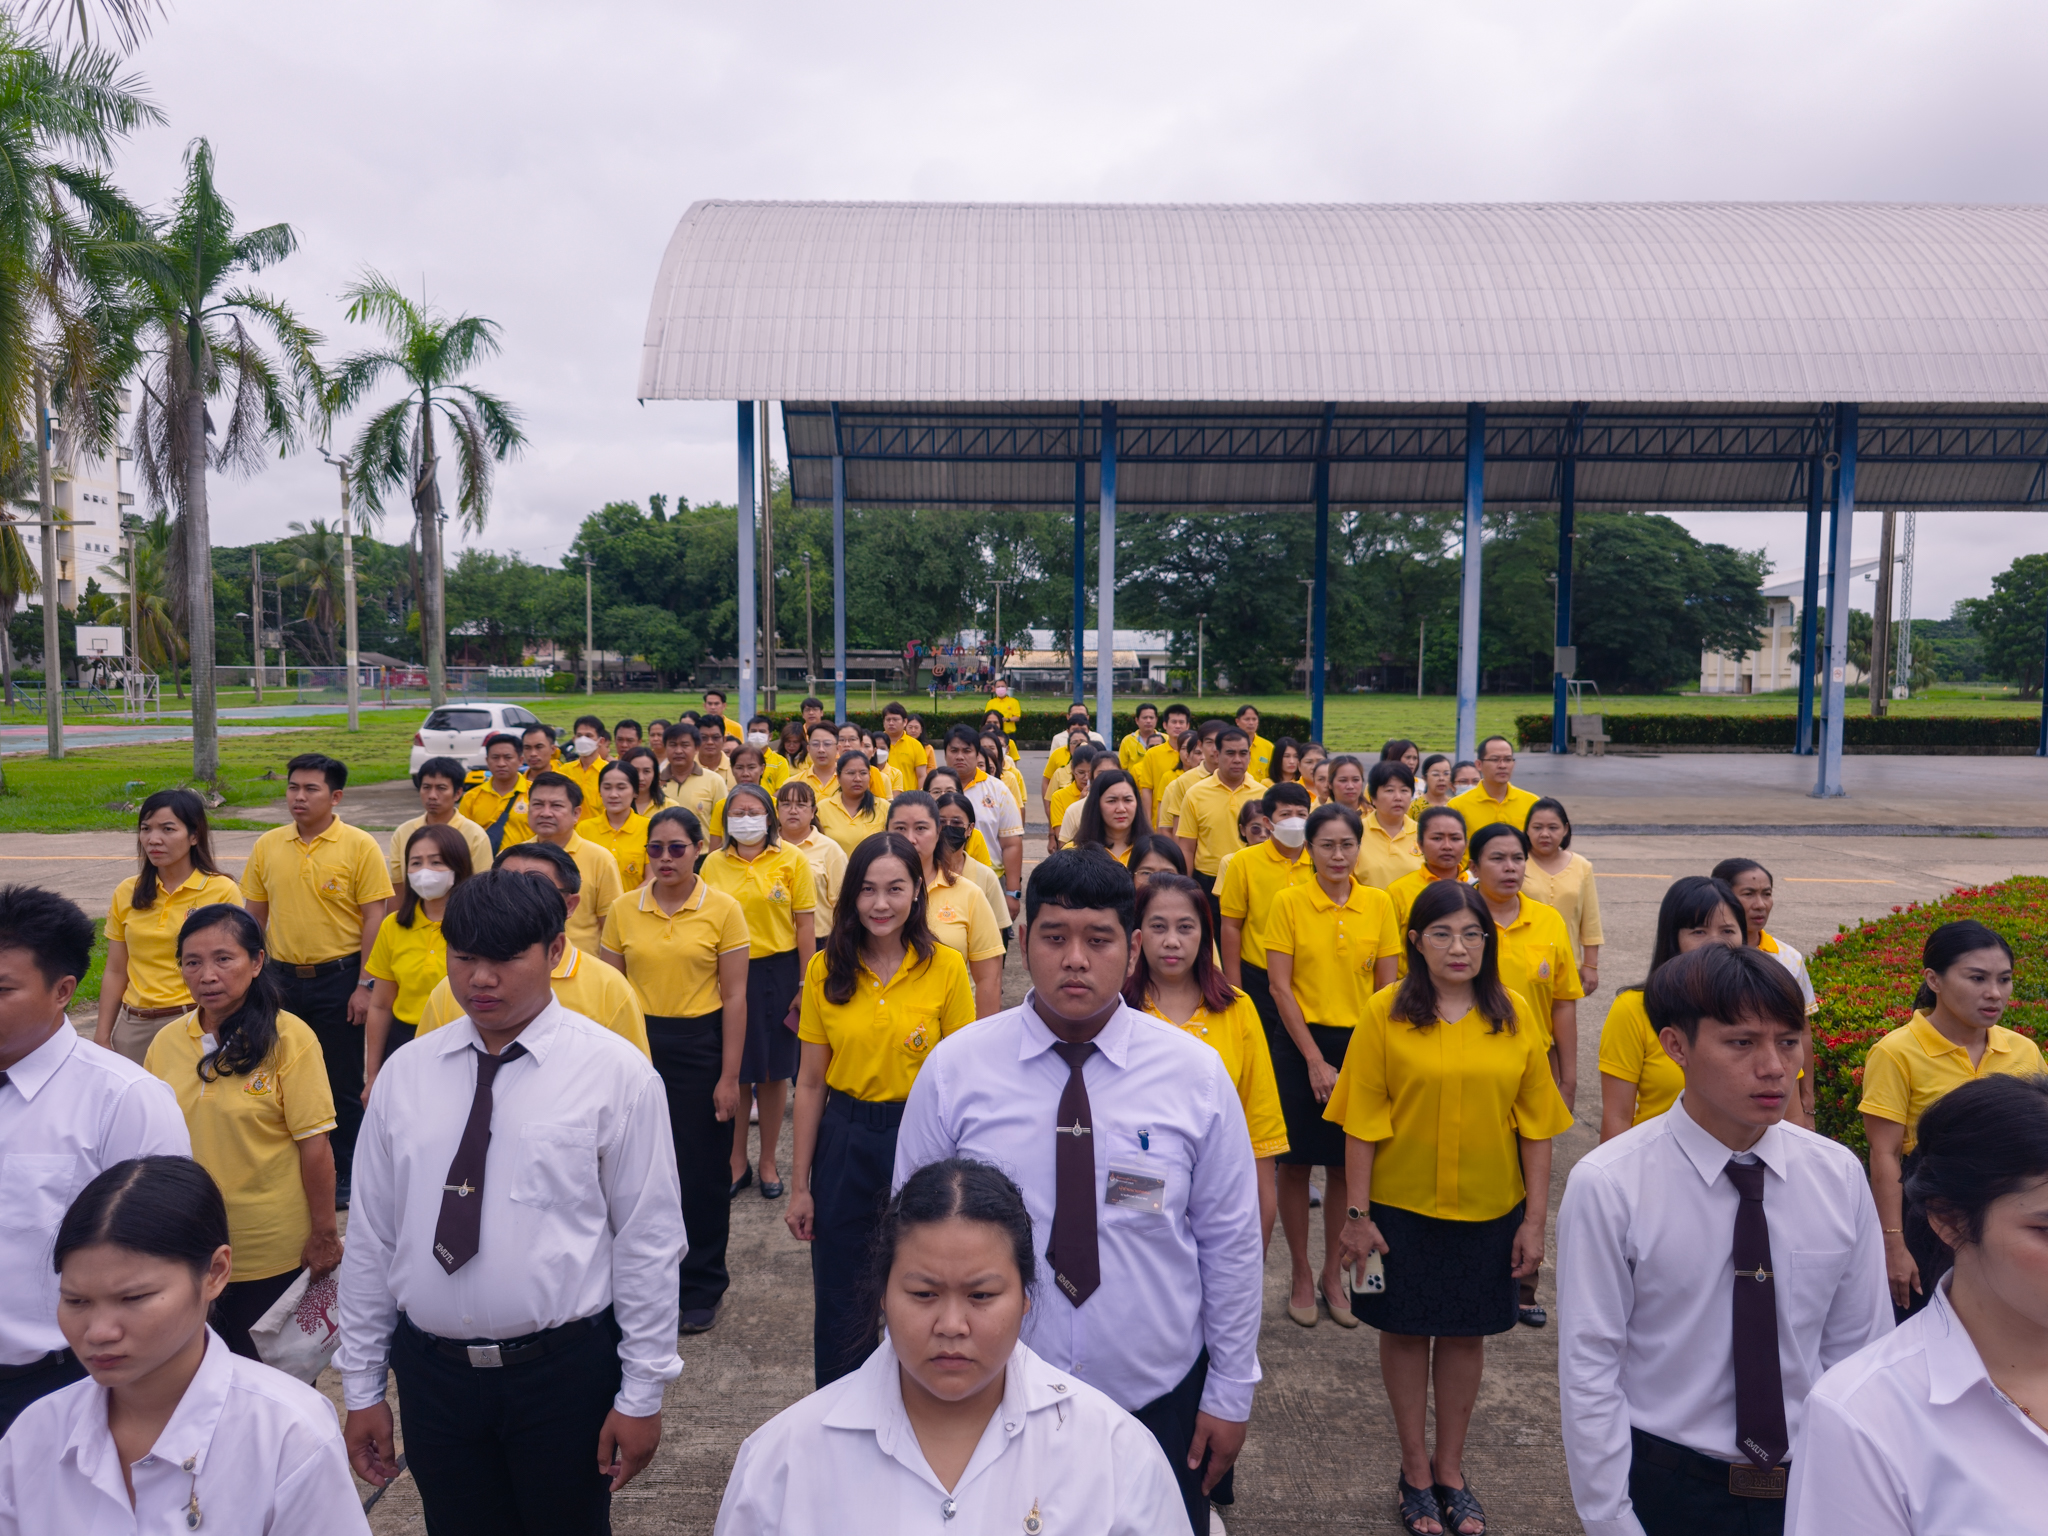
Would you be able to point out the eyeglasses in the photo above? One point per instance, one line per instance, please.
(1443, 938)
(671, 850)
(1499, 757)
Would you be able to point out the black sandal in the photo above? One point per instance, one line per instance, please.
(1532, 1315)
(1459, 1505)
(1418, 1504)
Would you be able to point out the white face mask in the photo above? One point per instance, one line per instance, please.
(757, 738)
(431, 884)
(1290, 833)
(881, 754)
(747, 829)
(585, 745)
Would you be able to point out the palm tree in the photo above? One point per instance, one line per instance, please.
(198, 334)
(317, 567)
(397, 446)
(18, 579)
(157, 642)
(128, 20)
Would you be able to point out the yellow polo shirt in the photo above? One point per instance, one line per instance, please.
(154, 977)
(702, 793)
(627, 844)
(1480, 809)
(910, 755)
(1630, 1052)
(1333, 948)
(771, 888)
(602, 885)
(672, 961)
(1382, 859)
(960, 918)
(1130, 752)
(774, 771)
(1261, 764)
(828, 873)
(1061, 800)
(802, 774)
(584, 777)
(1403, 893)
(317, 890)
(1251, 884)
(846, 828)
(1240, 1039)
(1575, 894)
(1446, 1107)
(1008, 707)
(1208, 814)
(1159, 767)
(1908, 1069)
(1167, 805)
(1535, 959)
(484, 805)
(416, 958)
(581, 984)
(480, 854)
(246, 1132)
(880, 1037)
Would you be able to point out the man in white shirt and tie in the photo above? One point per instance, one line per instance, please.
(1129, 1143)
(68, 1112)
(1712, 1263)
(513, 1244)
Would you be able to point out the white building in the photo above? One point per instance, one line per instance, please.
(1140, 658)
(1774, 664)
(87, 493)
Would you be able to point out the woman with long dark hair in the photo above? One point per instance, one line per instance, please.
(1638, 1078)
(253, 1087)
(142, 988)
(410, 957)
(956, 911)
(1448, 1107)
(1286, 761)
(877, 998)
(1559, 878)
(1113, 816)
(617, 828)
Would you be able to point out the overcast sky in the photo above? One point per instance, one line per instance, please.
(528, 162)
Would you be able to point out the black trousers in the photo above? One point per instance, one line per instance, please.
(511, 1450)
(322, 1001)
(1172, 1421)
(38, 1381)
(689, 1053)
(1208, 885)
(243, 1304)
(851, 1169)
(1690, 1499)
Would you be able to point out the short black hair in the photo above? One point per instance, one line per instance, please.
(53, 930)
(1716, 982)
(545, 730)
(592, 721)
(333, 769)
(813, 702)
(714, 688)
(1490, 740)
(1728, 871)
(1555, 806)
(966, 733)
(682, 730)
(547, 778)
(712, 726)
(1179, 709)
(1323, 815)
(567, 874)
(1233, 733)
(447, 768)
(495, 737)
(499, 914)
(1082, 879)
(1387, 771)
(1286, 794)
(1493, 832)
(894, 708)
(685, 818)
(163, 1207)
(633, 725)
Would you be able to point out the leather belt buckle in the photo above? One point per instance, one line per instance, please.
(1747, 1482)
(305, 972)
(490, 1357)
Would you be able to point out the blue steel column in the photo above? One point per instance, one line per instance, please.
(839, 574)
(1809, 597)
(1319, 606)
(2041, 747)
(748, 576)
(1567, 513)
(1468, 602)
(1080, 550)
(1829, 783)
(1105, 584)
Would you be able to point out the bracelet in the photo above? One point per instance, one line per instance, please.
(1894, 1231)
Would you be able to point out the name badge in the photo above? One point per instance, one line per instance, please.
(1134, 1189)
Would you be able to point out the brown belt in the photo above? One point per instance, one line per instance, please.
(152, 1014)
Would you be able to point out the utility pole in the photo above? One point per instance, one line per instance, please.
(589, 635)
(1421, 639)
(1201, 670)
(53, 661)
(995, 646)
(767, 563)
(256, 619)
(1308, 639)
(348, 591)
(810, 639)
(1881, 617)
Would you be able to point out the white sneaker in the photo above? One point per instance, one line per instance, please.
(753, 1111)
(1215, 1521)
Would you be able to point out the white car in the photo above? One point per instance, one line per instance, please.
(458, 731)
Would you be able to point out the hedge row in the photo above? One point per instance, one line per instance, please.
(1866, 976)
(1778, 731)
(1036, 728)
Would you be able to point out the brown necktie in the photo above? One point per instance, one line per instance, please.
(1759, 1386)
(459, 1232)
(1076, 1262)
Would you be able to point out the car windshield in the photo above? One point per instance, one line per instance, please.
(459, 720)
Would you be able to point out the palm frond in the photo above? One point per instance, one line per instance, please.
(374, 299)
(127, 20)
(381, 459)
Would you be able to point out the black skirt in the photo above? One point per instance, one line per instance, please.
(771, 1051)
(1445, 1279)
(1311, 1139)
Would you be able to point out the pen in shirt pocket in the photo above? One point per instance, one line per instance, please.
(1145, 1139)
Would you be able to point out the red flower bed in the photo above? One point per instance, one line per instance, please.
(1865, 978)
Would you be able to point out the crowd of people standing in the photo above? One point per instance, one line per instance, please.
(532, 1050)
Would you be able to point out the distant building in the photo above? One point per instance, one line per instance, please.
(1140, 659)
(89, 492)
(1774, 664)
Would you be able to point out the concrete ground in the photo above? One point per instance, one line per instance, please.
(1320, 1455)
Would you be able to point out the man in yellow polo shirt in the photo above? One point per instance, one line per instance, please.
(1161, 765)
(714, 704)
(439, 782)
(1130, 752)
(1261, 767)
(774, 766)
(1207, 828)
(320, 888)
(582, 983)
(498, 804)
(1000, 702)
(554, 807)
(683, 782)
(1202, 765)
(586, 761)
(537, 750)
(1493, 798)
(908, 756)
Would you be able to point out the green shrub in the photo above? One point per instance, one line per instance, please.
(1036, 728)
(1768, 732)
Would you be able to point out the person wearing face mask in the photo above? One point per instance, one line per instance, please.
(958, 914)
(410, 958)
(253, 1088)
(1389, 849)
(1005, 708)
(1440, 835)
(588, 753)
(956, 835)
(876, 999)
(942, 780)
(439, 782)
(748, 765)
(761, 736)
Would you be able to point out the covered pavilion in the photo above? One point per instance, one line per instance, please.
(1277, 358)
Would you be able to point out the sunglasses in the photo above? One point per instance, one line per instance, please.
(671, 850)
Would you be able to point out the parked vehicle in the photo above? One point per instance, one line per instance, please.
(458, 730)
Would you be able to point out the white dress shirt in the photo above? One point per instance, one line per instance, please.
(1908, 1437)
(69, 1111)
(259, 1451)
(996, 812)
(581, 1208)
(1173, 1281)
(1645, 1241)
(846, 1458)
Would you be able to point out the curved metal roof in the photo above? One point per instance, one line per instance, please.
(1531, 304)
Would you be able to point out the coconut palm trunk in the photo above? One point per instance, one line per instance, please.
(199, 576)
(426, 506)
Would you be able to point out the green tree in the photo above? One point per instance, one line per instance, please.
(1650, 598)
(201, 336)
(398, 446)
(2011, 622)
(314, 553)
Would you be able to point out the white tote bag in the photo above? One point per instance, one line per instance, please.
(297, 1335)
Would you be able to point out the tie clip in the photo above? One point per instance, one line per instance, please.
(1758, 1274)
(1076, 1129)
(465, 1189)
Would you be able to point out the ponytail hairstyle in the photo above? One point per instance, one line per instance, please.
(1415, 1003)
(189, 809)
(1947, 945)
(843, 943)
(1977, 1143)
(161, 1207)
(247, 1036)
(1690, 902)
(454, 850)
(1217, 992)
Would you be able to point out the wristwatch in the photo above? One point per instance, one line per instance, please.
(1354, 1213)
(367, 983)
(1017, 895)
